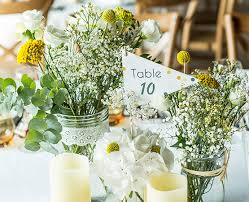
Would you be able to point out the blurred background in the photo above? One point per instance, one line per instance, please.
(209, 29)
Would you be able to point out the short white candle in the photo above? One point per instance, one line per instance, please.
(166, 187)
(69, 178)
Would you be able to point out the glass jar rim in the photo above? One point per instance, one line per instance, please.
(103, 112)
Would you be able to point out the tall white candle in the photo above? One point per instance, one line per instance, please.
(166, 187)
(69, 178)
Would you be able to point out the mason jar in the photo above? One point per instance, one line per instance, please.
(208, 184)
(80, 133)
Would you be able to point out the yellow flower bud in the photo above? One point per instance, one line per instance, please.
(113, 147)
(109, 16)
(156, 149)
(183, 57)
(31, 52)
(208, 81)
(124, 15)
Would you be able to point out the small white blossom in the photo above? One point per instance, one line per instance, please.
(151, 30)
(54, 36)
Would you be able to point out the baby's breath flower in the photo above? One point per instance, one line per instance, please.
(31, 52)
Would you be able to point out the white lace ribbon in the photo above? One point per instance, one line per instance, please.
(83, 136)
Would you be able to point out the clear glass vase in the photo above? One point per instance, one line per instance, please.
(80, 133)
(208, 188)
(7, 128)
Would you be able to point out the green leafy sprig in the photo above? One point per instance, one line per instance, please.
(44, 130)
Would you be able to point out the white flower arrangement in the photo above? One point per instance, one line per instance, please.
(125, 161)
(205, 114)
(86, 57)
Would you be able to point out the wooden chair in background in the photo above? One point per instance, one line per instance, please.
(236, 25)
(208, 40)
(168, 23)
(14, 7)
(144, 8)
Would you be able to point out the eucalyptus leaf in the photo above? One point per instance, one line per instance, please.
(8, 82)
(47, 81)
(55, 109)
(42, 100)
(40, 114)
(34, 136)
(32, 146)
(38, 99)
(38, 124)
(26, 94)
(52, 136)
(53, 123)
(19, 107)
(53, 92)
(48, 104)
(28, 82)
(49, 148)
(10, 91)
(60, 96)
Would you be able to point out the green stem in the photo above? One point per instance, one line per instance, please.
(140, 198)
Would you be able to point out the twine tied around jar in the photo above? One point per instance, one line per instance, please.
(221, 172)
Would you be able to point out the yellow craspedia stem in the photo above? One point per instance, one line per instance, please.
(156, 149)
(112, 147)
(31, 52)
(109, 16)
(208, 81)
(183, 57)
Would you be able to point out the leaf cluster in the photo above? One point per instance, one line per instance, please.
(44, 130)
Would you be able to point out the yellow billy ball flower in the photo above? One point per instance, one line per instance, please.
(183, 57)
(124, 15)
(109, 16)
(31, 52)
(208, 81)
(113, 147)
(156, 149)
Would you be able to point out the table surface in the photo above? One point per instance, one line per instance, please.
(24, 175)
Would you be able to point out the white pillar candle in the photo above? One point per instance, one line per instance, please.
(166, 187)
(69, 178)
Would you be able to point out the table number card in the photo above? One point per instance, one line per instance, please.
(148, 79)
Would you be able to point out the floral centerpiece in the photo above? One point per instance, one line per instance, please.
(79, 67)
(205, 116)
(125, 161)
